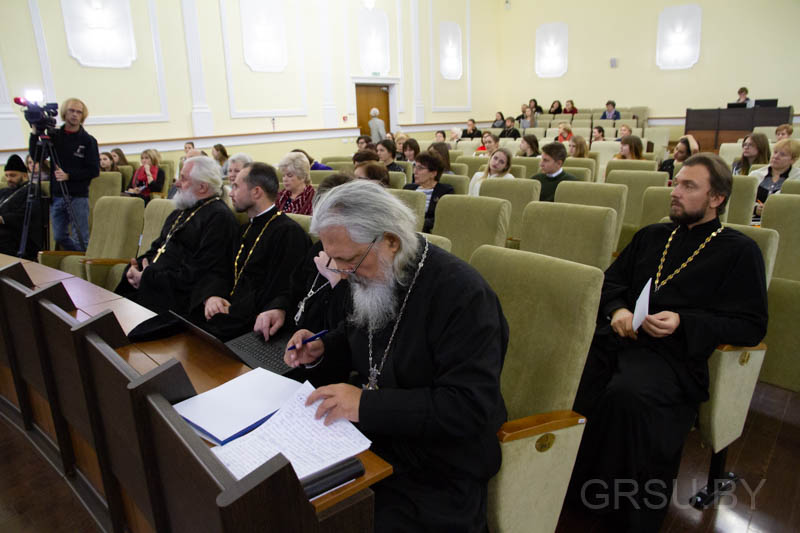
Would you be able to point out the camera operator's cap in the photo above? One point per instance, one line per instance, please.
(16, 164)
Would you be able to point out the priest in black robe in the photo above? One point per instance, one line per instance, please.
(195, 243)
(13, 202)
(641, 389)
(267, 251)
(416, 365)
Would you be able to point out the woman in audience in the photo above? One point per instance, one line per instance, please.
(630, 147)
(387, 151)
(389, 135)
(755, 150)
(297, 194)
(455, 136)
(34, 167)
(362, 157)
(499, 120)
(564, 132)
(427, 173)
(535, 107)
(315, 165)
(440, 136)
(498, 167)
(624, 131)
(119, 157)
(509, 131)
(780, 169)
(598, 133)
(148, 178)
(555, 108)
(441, 150)
(373, 172)
(569, 107)
(411, 150)
(107, 163)
(681, 152)
(399, 141)
(528, 121)
(784, 131)
(491, 142)
(220, 155)
(578, 147)
(529, 146)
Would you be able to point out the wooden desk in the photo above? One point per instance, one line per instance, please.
(712, 127)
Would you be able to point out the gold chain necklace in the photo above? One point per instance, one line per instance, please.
(173, 229)
(237, 273)
(691, 257)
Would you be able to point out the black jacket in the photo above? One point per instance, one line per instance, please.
(78, 155)
(438, 191)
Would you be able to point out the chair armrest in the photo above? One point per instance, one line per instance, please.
(52, 258)
(729, 348)
(61, 253)
(105, 261)
(529, 426)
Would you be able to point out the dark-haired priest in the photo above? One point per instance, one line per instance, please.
(196, 242)
(267, 251)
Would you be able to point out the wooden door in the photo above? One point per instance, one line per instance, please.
(367, 97)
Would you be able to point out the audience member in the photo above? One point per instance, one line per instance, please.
(220, 155)
(780, 169)
(640, 390)
(443, 152)
(509, 131)
(13, 203)
(498, 166)
(455, 135)
(471, 131)
(362, 157)
(742, 97)
(755, 150)
(427, 172)
(297, 194)
(578, 147)
(491, 142)
(598, 133)
(389, 135)
(534, 106)
(569, 107)
(315, 165)
(693, 144)
(373, 172)
(399, 142)
(107, 163)
(564, 132)
(529, 121)
(682, 151)
(630, 147)
(528, 146)
(386, 154)
(235, 165)
(499, 120)
(623, 132)
(187, 147)
(119, 157)
(551, 173)
(611, 112)
(411, 149)
(148, 178)
(377, 128)
(34, 169)
(362, 141)
(440, 136)
(555, 108)
(784, 131)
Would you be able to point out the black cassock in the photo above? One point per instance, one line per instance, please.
(199, 248)
(641, 396)
(265, 277)
(12, 208)
(438, 406)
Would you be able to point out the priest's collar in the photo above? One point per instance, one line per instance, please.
(264, 212)
(704, 228)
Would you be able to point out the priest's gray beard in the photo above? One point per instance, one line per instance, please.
(184, 199)
(374, 301)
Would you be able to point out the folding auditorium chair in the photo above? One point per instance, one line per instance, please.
(106, 184)
(397, 180)
(606, 124)
(334, 158)
(729, 152)
(468, 146)
(539, 132)
(605, 151)
(414, 200)
(743, 197)
(543, 365)
(459, 182)
(585, 162)
(583, 131)
(630, 164)
(601, 194)
(582, 173)
(637, 182)
(473, 163)
(580, 233)
(116, 234)
(519, 193)
(769, 131)
(409, 170)
(454, 154)
(442, 242)
(127, 175)
(341, 166)
(581, 123)
(512, 145)
(531, 164)
(790, 187)
(659, 136)
(318, 175)
(459, 168)
(469, 221)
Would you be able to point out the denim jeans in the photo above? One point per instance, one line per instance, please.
(59, 211)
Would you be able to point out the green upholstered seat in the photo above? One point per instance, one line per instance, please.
(602, 194)
(584, 162)
(469, 221)
(106, 184)
(531, 164)
(582, 173)
(743, 197)
(473, 163)
(341, 166)
(637, 182)
(655, 205)
(397, 180)
(127, 175)
(519, 192)
(318, 175)
(518, 171)
(459, 182)
(790, 187)
(442, 242)
(414, 200)
(459, 168)
(334, 158)
(408, 168)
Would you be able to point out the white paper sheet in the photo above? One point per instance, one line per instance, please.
(642, 305)
(307, 443)
(237, 404)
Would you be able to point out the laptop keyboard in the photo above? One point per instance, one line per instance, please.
(252, 349)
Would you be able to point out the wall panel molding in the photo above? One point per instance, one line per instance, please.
(434, 54)
(419, 103)
(202, 118)
(329, 112)
(10, 133)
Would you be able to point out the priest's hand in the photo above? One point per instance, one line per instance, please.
(322, 261)
(269, 322)
(303, 354)
(215, 305)
(661, 324)
(622, 323)
(338, 401)
(134, 274)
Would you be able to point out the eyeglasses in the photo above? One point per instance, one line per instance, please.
(352, 270)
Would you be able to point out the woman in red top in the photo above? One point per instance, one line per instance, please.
(297, 193)
(148, 178)
(569, 107)
(564, 132)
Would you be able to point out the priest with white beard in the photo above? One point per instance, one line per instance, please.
(195, 244)
(425, 340)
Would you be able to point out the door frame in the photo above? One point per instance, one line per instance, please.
(394, 94)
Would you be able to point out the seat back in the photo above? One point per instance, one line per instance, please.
(318, 175)
(605, 150)
(531, 165)
(459, 168)
(743, 197)
(791, 186)
(469, 221)
(460, 183)
(780, 213)
(408, 168)
(155, 214)
(600, 194)
(468, 146)
(335, 158)
(127, 175)
(583, 162)
(442, 242)
(341, 166)
(637, 182)
(106, 184)
(730, 152)
(473, 163)
(120, 220)
(630, 164)
(455, 154)
(519, 193)
(305, 223)
(655, 205)
(518, 171)
(584, 234)
(397, 180)
(582, 173)
(768, 241)
(414, 200)
(769, 131)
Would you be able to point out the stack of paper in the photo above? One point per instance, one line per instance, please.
(237, 406)
(307, 443)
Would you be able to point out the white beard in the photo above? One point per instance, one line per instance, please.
(184, 199)
(374, 301)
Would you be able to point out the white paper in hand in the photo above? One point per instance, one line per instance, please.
(642, 305)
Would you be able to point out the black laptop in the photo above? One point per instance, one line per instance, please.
(250, 348)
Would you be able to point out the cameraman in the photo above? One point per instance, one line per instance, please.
(79, 160)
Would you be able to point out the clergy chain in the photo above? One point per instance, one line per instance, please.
(301, 307)
(691, 257)
(375, 371)
(174, 229)
(12, 195)
(237, 273)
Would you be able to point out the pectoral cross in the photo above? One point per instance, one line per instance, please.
(372, 382)
(160, 251)
(300, 309)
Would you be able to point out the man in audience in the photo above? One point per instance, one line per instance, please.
(784, 131)
(77, 153)
(553, 157)
(235, 165)
(13, 201)
(471, 131)
(642, 385)
(267, 251)
(196, 242)
(611, 112)
(425, 339)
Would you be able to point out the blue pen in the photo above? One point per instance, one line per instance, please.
(311, 338)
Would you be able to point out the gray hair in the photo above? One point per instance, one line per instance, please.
(456, 131)
(367, 210)
(242, 158)
(297, 163)
(374, 112)
(205, 169)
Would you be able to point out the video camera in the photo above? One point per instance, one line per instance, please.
(42, 118)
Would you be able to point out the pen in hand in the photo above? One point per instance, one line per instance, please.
(311, 338)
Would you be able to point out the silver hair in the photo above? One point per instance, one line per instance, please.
(367, 210)
(298, 164)
(456, 131)
(241, 157)
(374, 112)
(205, 169)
